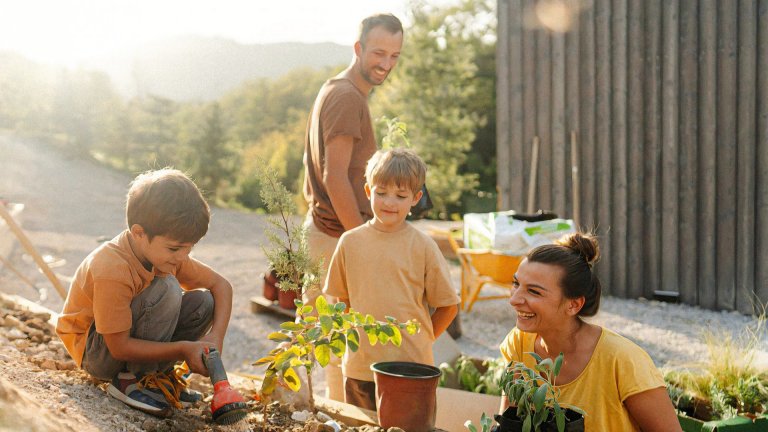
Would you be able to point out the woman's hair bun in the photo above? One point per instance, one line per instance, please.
(585, 244)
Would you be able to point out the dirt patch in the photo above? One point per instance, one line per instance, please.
(41, 389)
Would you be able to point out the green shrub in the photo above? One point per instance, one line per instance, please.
(727, 383)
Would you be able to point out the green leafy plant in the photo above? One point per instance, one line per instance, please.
(534, 394)
(314, 338)
(396, 133)
(485, 424)
(727, 383)
(471, 378)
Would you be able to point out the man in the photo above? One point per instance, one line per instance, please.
(338, 143)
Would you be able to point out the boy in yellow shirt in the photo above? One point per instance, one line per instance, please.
(388, 267)
(139, 304)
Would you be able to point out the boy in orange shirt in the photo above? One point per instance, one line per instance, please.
(139, 304)
(388, 267)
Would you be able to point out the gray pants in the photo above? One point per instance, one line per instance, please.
(163, 312)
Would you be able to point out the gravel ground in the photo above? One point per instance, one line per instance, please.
(72, 204)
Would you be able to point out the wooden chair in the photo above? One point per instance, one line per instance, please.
(480, 268)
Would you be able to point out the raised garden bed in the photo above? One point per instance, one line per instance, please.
(736, 424)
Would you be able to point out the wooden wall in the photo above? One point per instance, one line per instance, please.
(668, 101)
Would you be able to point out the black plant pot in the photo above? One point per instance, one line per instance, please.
(509, 422)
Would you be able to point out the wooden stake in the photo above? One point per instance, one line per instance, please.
(16, 271)
(575, 178)
(534, 169)
(32, 251)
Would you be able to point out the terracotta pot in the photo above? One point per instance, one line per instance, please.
(406, 395)
(270, 286)
(285, 299)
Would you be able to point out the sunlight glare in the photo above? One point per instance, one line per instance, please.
(71, 32)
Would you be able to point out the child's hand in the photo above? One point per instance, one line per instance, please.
(213, 341)
(193, 355)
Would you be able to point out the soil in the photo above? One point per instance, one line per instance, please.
(41, 389)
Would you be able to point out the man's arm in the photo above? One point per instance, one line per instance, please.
(442, 318)
(338, 154)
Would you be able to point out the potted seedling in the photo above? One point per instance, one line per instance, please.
(291, 267)
(271, 284)
(534, 399)
(727, 391)
(474, 375)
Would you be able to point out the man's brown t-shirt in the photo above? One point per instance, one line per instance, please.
(340, 109)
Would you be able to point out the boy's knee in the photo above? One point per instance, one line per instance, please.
(162, 291)
(198, 304)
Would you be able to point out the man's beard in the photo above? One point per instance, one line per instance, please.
(369, 78)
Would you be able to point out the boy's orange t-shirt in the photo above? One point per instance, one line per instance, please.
(104, 286)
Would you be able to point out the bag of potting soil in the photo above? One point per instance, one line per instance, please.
(502, 231)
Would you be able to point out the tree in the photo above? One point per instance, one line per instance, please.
(436, 91)
(265, 105)
(25, 93)
(155, 132)
(269, 119)
(211, 162)
(480, 31)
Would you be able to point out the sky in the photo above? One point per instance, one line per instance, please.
(68, 32)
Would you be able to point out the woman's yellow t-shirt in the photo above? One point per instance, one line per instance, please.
(617, 370)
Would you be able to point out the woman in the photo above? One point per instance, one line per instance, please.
(605, 374)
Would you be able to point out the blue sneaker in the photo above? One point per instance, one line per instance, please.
(170, 387)
(126, 388)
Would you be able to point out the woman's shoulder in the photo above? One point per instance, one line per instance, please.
(617, 346)
(516, 344)
(520, 334)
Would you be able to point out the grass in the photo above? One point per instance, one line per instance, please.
(728, 382)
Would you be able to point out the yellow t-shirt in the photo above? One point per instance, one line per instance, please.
(617, 370)
(104, 286)
(400, 274)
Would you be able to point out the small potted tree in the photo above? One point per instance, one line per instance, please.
(291, 267)
(534, 400)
